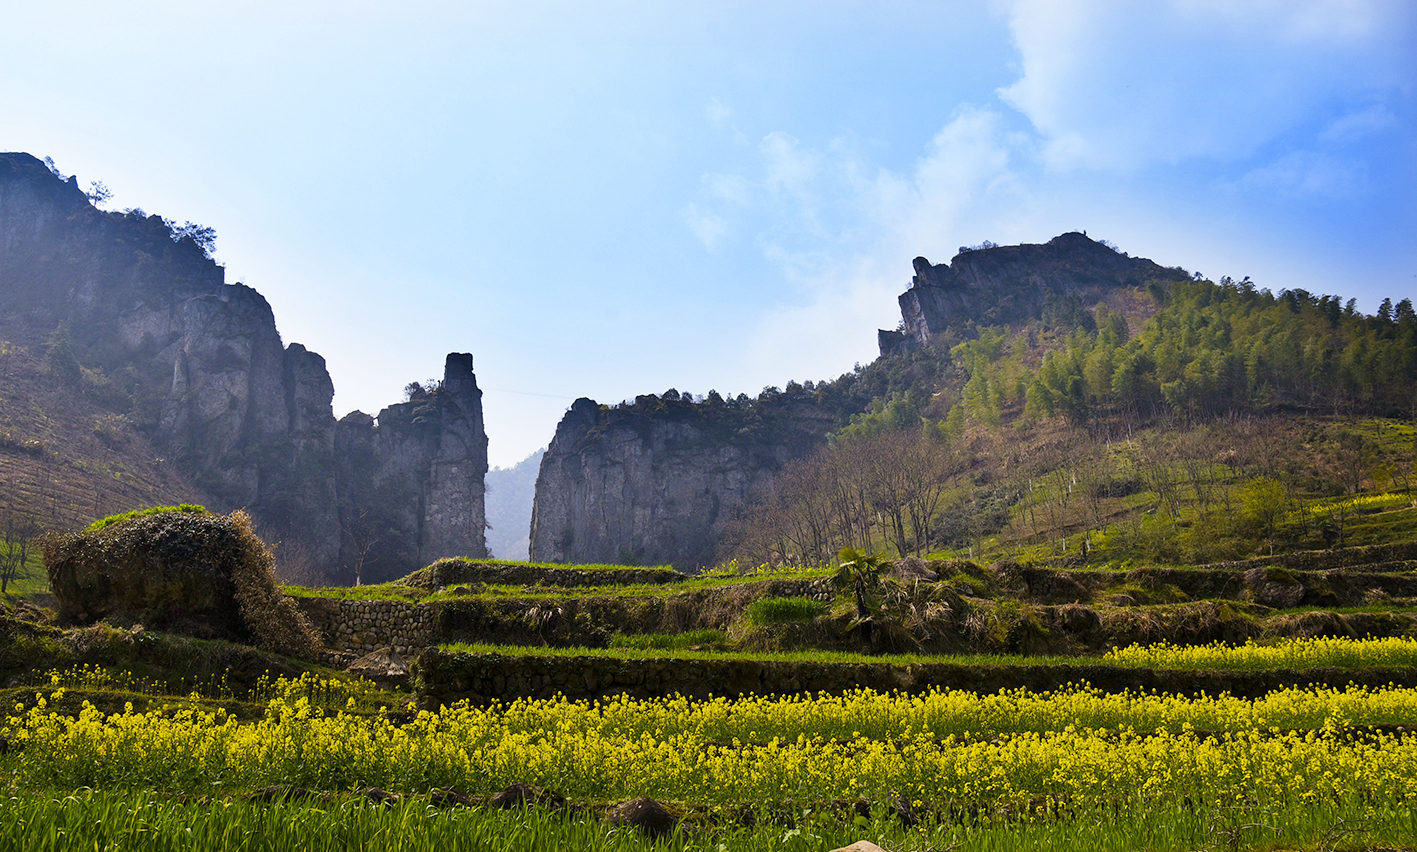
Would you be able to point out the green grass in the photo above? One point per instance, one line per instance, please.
(375, 592)
(668, 641)
(191, 508)
(31, 578)
(395, 591)
(1337, 653)
(782, 611)
(589, 566)
(60, 821)
(631, 653)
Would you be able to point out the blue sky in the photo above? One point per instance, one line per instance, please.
(605, 199)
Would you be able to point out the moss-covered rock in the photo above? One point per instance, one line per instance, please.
(204, 575)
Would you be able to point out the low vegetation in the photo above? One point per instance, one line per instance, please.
(981, 770)
(1283, 654)
(189, 508)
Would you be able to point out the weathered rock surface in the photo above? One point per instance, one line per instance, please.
(247, 417)
(383, 666)
(412, 482)
(1006, 284)
(656, 482)
(645, 814)
(860, 846)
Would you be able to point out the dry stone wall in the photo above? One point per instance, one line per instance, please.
(359, 627)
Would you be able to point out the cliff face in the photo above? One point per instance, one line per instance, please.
(248, 418)
(657, 482)
(1007, 284)
(412, 482)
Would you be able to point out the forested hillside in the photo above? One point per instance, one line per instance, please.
(1205, 422)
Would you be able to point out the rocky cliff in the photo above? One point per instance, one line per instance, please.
(199, 368)
(412, 481)
(656, 482)
(998, 285)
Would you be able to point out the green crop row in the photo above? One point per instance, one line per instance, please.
(104, 821)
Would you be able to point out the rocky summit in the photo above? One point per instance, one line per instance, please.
(999, 285)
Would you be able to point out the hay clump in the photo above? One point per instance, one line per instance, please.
(200, 574)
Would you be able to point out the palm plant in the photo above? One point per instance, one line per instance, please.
(861, 572)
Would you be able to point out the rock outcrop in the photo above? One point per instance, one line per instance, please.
(412, 481)
(1008, 284)
(656, 482)
(246, 417)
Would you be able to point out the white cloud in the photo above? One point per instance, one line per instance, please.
(965, 172)
(963, 182)
(1358, 125)
(1120, 85)
(717, 112)
(1303, 173)
(788, 168)
(708, 228)
(734, 189)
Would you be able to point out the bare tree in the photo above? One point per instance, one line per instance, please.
(18, 530)
(363, 534)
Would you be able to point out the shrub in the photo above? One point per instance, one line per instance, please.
(177, 568)
(272, 616)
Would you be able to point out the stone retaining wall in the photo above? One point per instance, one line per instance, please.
(363, 626)
(443, 678)
(360, 626)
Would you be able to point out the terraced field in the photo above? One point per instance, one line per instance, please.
(943, 769)
(1007, 707)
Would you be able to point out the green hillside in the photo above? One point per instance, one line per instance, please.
(1189, 422)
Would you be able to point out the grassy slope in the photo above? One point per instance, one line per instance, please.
(1051, 520)
(65, 458)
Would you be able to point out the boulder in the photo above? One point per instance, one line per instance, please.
(1079, 618)
(1274, 587)
(645, 814)
(448, 797)
(379, 796)
(860, 846)
(912, 568)
(524, 795)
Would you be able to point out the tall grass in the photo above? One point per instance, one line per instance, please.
(91, 820)
(782, 611)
